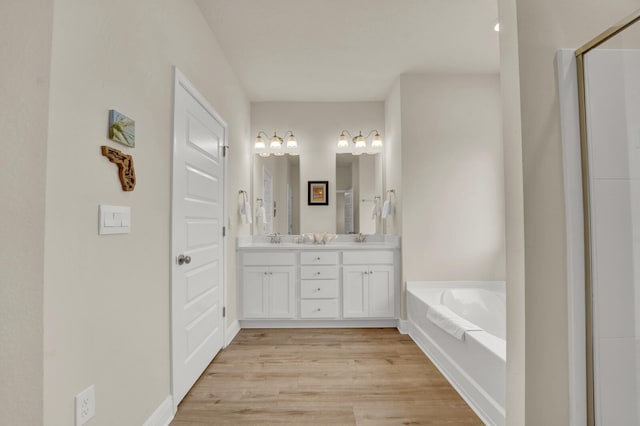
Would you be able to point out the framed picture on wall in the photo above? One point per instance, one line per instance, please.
(318, 193)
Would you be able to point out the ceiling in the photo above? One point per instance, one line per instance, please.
(349, 50)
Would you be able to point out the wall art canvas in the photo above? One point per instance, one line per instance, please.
(318, 193)
(122, 129)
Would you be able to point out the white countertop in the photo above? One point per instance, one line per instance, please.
(343, 242)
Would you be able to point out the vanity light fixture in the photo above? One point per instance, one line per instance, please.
(360, 141)
(275, 144)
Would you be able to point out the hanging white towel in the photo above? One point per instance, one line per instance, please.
(375, 211)
(449, 322)
(387, 208)
(244, 208)
(261, 213)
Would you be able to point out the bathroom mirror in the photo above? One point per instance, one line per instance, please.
(358, 193)
(276, 188)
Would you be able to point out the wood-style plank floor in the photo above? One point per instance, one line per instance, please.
(322, 377)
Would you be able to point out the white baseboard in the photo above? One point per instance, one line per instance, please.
(380, 323)
(163, 415)
(403, 326)
(231, 333)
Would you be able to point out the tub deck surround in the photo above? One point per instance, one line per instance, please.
(476, 365)
(339, 284)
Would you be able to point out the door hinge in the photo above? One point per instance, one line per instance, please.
(225, 149)
(224, 231)
(224, 312)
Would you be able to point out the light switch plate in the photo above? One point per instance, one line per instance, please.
(114, 219)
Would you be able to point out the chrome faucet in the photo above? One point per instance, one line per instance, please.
(361, 238)
(275, 238)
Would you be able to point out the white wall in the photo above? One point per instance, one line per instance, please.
(317, 126)
(106, 311)
(514, 213)
(392, 161)
(452, 178)
(25, 49)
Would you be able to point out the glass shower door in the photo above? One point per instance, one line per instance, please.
(612, 94)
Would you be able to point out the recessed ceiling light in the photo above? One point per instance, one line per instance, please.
(496, 27)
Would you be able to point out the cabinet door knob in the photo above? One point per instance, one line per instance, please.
(318, 258)
(318, 289)
(182, 259)
(318, 310)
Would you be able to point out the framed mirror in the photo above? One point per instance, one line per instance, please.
(358, 193)
(276, 193)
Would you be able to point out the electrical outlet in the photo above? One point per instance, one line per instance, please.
(85, 405)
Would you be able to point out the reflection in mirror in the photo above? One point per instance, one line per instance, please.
(276, 188)
(358, 193)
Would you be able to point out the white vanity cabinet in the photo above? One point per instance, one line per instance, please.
(368, 285)
(305, 285)
(268, 285)
(319, 285)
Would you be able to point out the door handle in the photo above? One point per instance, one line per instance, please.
(182, 259)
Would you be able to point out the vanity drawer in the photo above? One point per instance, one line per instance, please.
(319, 308)
(268, 258)
(367, 257)
(318, 289)
(318, 272)
(319, 258)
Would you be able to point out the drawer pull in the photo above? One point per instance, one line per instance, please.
(318, 310)
(318, 258)
(317, 273)
(319, 289)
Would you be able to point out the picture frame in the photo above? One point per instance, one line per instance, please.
(122, 129)
(318, 193)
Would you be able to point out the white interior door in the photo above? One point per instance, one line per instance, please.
(197, 244)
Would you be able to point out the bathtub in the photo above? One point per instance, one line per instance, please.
(475, 365)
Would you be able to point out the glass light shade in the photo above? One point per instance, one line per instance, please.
(264, 154)
(361, 142)
(292, 142)
(259, 144)
(377, 141)
(343, 142)
(276, 142)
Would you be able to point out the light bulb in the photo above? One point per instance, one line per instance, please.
(276, 142)
(343, 142)
(259, 144)
(377, 141)
(292, 142)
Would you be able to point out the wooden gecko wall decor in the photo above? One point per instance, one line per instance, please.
(126, 171)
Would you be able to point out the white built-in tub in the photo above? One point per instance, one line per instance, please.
(474, 363)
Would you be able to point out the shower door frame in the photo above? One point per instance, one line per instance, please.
(586, 48)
